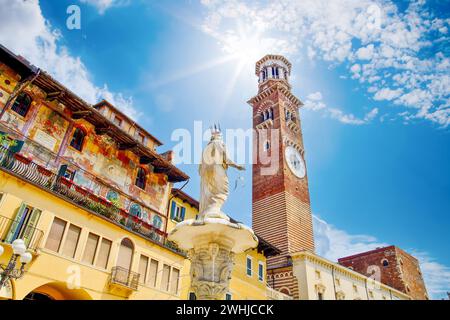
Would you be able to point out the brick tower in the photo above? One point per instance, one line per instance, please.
(398, 269)
(281, 210)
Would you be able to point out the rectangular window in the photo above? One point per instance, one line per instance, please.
(143, 266)
(117, 121)
(24, 224)
(55, 235)
(141, 137)
(249, 266)
(228, 296)
(71, 243)
(165, 278)
(174, 280)
(192, 296)
(103, 254)
(320, 295)
(91, 248)
(260, 271)
(177, 212)
(69, 174)
(153, 272)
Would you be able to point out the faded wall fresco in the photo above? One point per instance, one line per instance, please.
(100, 167)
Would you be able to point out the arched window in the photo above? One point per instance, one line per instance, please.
(22, 104)
(78, 139)
(385, 262)
(157, 222)
(135, 210)
(125, 254)
(141, 178)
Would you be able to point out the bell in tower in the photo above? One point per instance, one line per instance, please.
(272, 68)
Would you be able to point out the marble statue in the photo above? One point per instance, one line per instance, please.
(214, 186)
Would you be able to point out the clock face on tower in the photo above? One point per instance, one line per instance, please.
(295, 161)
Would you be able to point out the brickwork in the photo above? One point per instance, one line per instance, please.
(398, 269)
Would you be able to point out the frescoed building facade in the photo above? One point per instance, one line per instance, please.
(86, 189)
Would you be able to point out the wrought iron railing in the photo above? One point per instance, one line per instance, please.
(11, 230)
(125, 277)
(45, 178)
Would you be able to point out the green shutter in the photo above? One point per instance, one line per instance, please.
(30, 228)
(62, 170)
(183, 212)
(173, 210)
(17, 147)
(16, 224)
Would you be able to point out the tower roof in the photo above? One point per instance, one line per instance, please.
(270, 57)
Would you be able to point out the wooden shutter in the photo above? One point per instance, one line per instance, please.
(174, 280)
(55, 235)
(103, 254)
(71, 242)
(153, 272)
(183, 213)
(143, 266)
(165, 278)
(91, 248)
(173, 210)
(17, 223)
(30, 228)
(16, 147)
(125, 255)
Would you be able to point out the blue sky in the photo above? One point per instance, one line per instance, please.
(374, 77)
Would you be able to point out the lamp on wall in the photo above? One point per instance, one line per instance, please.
(11, 270)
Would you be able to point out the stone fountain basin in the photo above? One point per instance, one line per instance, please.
(191, 234)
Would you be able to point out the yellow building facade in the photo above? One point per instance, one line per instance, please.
(85, 188)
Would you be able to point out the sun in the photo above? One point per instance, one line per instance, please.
(245, 46)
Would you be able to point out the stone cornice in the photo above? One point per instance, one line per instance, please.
(281, 88)
(311, 257)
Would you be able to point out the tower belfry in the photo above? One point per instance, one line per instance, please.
(281, 211)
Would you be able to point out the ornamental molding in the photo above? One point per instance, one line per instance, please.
(211, 267)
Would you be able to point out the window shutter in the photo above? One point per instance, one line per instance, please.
(30, 228)
(91, 248)
(17, 147)
(17, 222)
(103, 255)
(62, 170)
(173, 210)
(71, 242)
(183, 212)
(55, 235)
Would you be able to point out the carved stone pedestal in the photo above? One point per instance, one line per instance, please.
(211, 245)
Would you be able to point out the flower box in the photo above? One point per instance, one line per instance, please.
(44, 171)
(22, 159)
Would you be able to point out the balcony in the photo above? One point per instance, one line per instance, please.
(11, 230)
(40, 173)
(122, 278)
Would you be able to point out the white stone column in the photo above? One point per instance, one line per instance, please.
(211, 266)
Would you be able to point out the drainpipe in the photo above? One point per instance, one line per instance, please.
(18, 89)
(367, 292)
(334, 282)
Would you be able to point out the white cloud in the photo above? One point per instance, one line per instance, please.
(377, 42)
(333, 243)
(103, 5)
(387, 94)
(314, 102)
(34, 38)
(365, 53)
